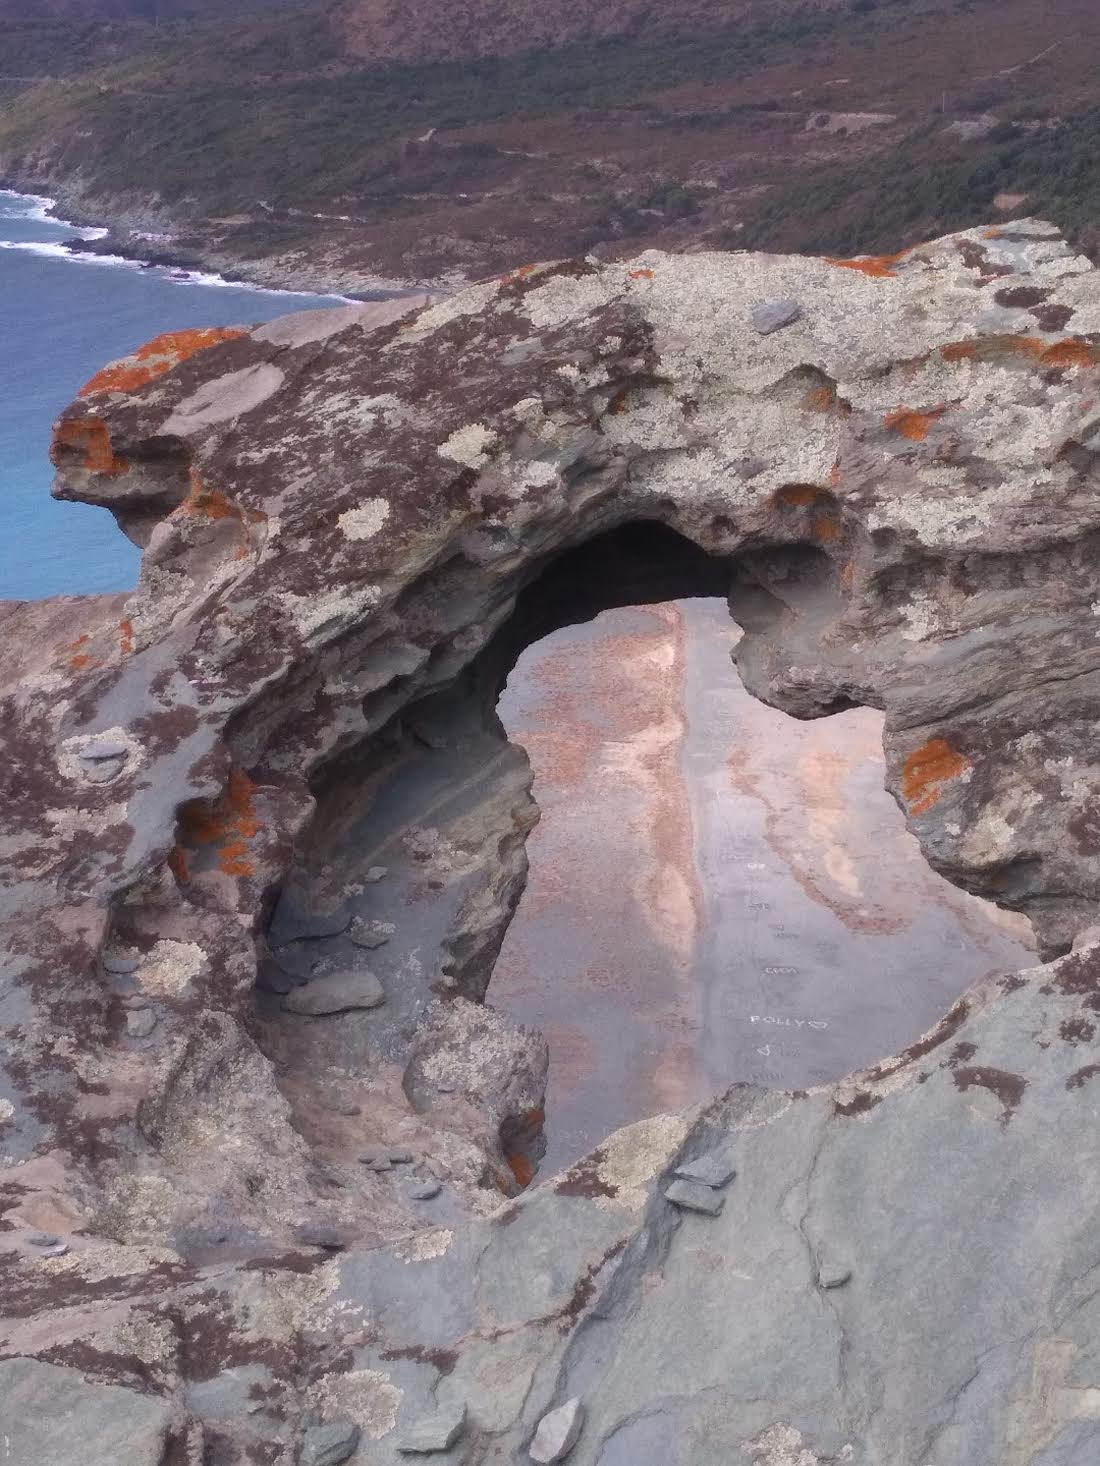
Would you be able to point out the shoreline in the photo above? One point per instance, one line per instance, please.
(81, 249)
(98, 242)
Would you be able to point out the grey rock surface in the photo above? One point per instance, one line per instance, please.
(773, 315)
(336, 992)
(714, 1170)
(434, 1433)
(53, 1415)
(329, 1444)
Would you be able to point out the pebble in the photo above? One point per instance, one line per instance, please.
(329, 1444)
(425, 1191)
(557, 1433)
(119, 964)
(775, 313)
(709, 1170)
(691, 1196)
(59, 1249)
(376, 873)
(140, 1022)
(321, 1236)
(383, 1158)
(370, 934)
(43, 1239)
(436, 1432)
(103, 752)
(832, 1275)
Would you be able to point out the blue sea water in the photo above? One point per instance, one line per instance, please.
(62, 317)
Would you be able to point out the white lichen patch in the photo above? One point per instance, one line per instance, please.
(365, 520)
(467, 303)
(425, 1246)
(332, 612)
(7, 1111)
(632, 1158)
(97, 1264)
(470, 445)
(170, 967)
(782, 1445)
(367, 1395)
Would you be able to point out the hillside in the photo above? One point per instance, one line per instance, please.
(359, 140)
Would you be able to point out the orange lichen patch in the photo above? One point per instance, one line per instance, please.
(826, 527)
(520, 274)
(821, 399)
(848, 574)
(206, 503)
(641, 274)
(158, 357)
(834, 476)
(229, 824)
(91, 438)
(126, 637)
(1073, 351)
(878, 267)
(797, 496)
(926, 771)
(911, 424)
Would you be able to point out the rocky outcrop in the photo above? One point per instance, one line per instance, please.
(278, 764)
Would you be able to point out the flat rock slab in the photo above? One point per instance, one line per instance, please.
(707, 1170)
(339, 992)
(53, 1415)
(692, 1196)
(434, 1433)
(329, 1445)
(557, 1433)
(772, 315)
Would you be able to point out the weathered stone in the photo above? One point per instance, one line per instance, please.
(434, 1433)
(338, 992)
(773, 315)
(105, 751)
(119, 963)
(713, 1170)
(695, 1196)
(53, 1415)
(558, 1432)
(833, 1275)
(329, 1444)
(140, 1022)
(424, 1191)
(370, 934)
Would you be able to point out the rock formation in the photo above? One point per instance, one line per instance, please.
(260, 1230)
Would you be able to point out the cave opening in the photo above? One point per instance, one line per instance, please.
(717, 891)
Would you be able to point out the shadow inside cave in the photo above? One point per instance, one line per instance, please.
(719, 893)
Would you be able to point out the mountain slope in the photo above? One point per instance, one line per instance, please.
(358, 138)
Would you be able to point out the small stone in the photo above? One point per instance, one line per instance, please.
(59, 1249)
(329, 1444)
(425, 1191)
(43, 1239)
(557, 1433)
(436, 1432)
(119, 964)
(370, 934)
(376, 873)
(773, 314)
(105, 751)
(140, 1022)
(691, 1196)
(375, 1160)
(709, 1170)
(337, 1106)
(832, 1275)
(339, 992)
(399, 1157)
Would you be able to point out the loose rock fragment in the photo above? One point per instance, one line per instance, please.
(833, 1275)
(436, 1432)
(425, 1191)
(557, 1433)
(140, 1022)
(370, 934)
(712, 1170)
(119, 964)
(329, 1444)
(773, 314)
(692, 1196)
(340, 992)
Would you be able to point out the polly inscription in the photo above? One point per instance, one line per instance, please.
(817, 1023)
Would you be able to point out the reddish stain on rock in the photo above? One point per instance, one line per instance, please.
(926, 771)
(229, 824)
(156, 358)
(859, 1104)
(1009, 1088)
(91, 439)
(641, 274)
(911, 424)
(878, 267)
(126, 636)
(1073, 351)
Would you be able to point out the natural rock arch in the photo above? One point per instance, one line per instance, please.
(341, 514)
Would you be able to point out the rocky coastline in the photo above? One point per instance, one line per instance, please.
(267, 1145)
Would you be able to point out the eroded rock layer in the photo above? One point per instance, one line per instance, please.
(263, 834)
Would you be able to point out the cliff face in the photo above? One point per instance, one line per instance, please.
(263, 835)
